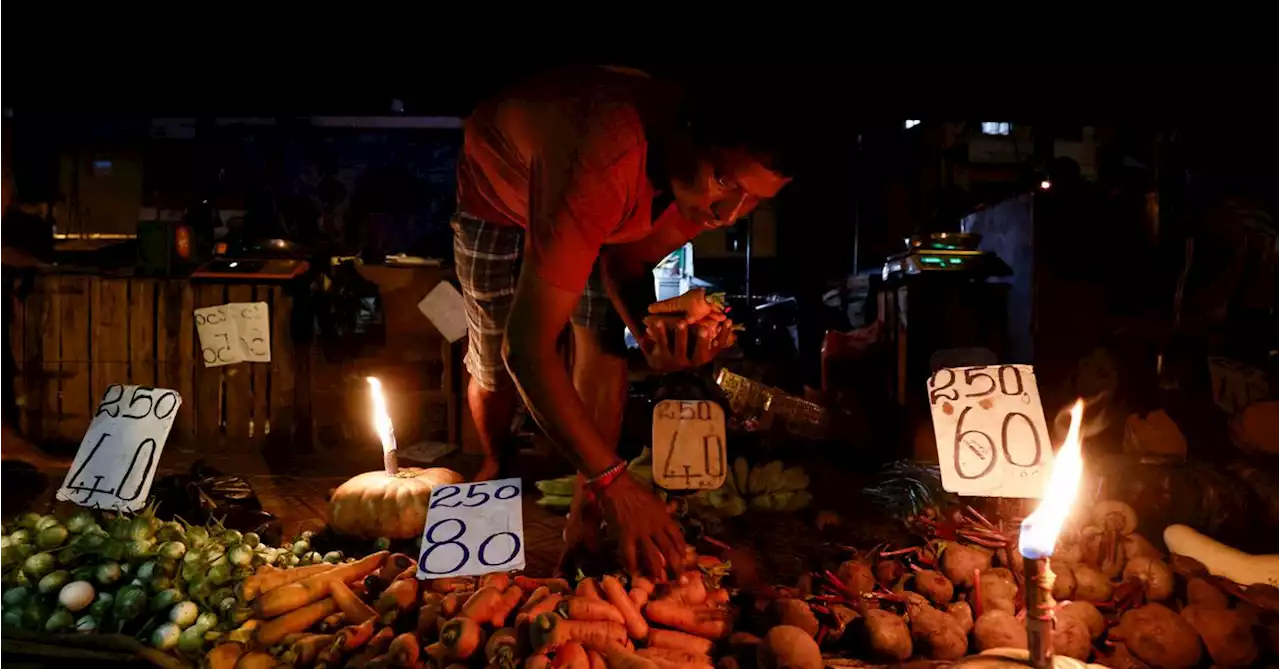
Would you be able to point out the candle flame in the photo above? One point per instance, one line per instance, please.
(381, 419)
(1040, 529)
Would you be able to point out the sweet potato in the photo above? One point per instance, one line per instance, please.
(1156, 577)
(999, 629)
(1205, 595)
(1064, 581)
(1086, 613)
(857, 576)
(795, 612)
(1091, 585)
(1226, 635)
(935, 586)
(1156, 635)
(1070, 638)
(936, 634)
(959, 562)
(787, 647)
(963, 613)
(887, 635)
(998, 591)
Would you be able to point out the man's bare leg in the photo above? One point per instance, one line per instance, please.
(492, 411)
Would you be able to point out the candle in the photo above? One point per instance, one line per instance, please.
(382, 425)
(1038, 535)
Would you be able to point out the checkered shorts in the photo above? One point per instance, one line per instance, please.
(487, 258)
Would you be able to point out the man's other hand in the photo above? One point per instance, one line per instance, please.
(668, 346)
(650, 541)
(691, 307)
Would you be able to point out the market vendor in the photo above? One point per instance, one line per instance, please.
(571, 186)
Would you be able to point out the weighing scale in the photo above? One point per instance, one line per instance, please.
(270, 264)
(944, 252)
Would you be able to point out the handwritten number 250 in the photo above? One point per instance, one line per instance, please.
(450, 491)
(110, 404)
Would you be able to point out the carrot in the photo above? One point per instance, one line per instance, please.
(583, 608)
(618, 657)
(502, 649)
(460, 638)
(266, 581)
(571, 656)
(305, 651)
(549, 631)
(539, 594)
(497, 579)
(506, 604)
(596, 659)
(641, 590)
(400, 596)
(538, 661)
(274, 630)
(244, 633)
(685, 643)
(222, 656)
(333, 622)
(638, 597)
(354, 611)
(376, 646)
(587, 588)
(698, 621)
(617, 595)
(481, 606)
(452, 603)
(553, 584)
(445, 586)
(691, 593)
(545, 605)
(258, 659)
(428, 617)
(300, 593)
(352, 637)
(403, 651)
(666, 658)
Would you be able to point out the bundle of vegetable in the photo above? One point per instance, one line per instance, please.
(767, 487)
(558, 493)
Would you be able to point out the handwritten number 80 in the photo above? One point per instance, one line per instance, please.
(482, 551)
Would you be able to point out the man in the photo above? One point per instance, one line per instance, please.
(568, 168)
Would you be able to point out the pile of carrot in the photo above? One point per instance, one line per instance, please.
(375, 613)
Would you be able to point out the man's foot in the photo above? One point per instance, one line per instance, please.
(490, 470)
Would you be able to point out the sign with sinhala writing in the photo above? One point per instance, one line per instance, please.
(234, 332)
(118, 456)
(990, 430)
(473, 529)
(688, 445)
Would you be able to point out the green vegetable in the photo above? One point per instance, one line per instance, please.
(84, 572)
(170, 531)
(138, 549)
(52, 537)
(166, 636)
(191, 641)
(301, 548)
(251, 539)
(206, 621)
(89, 541)
(102, 605)
(118, 528)
(147, 571)
(240, 555)
(312, 558)
(53, 581)
(16, 596)
(554, 501)
(60, 620)
(196, 537)
(108, 573)
(306, 535)
(381, 544)
(80, 521)
(47, 520)
(112, 549)
(192, 572)
(28, 520)
(9, 557)
(199, 589)
(140, 529)
(166, 599)
(12, 618)
(227, 606)
(20, 578)
(37, 566)
(35, 614)
(213, 552)
(232, 537)
(166, 566)
(183, 614)
(333, 557)
(68, 557)
(87, 625)
(219, 575)
(160, 583)
(561, 487)
(173, 550)
(20, 537)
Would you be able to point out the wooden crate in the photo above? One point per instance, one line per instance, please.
(73, 335)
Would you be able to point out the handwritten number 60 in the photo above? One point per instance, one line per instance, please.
(962, 434)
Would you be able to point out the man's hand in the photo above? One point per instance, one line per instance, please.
(644, 529)
(667, 346)
(692, 307)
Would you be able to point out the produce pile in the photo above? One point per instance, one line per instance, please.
(173, 585)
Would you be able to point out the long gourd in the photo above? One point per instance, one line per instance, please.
(1221, 559)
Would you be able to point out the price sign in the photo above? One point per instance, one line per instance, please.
(117, 458)
(253, 329)
(688, 445)
(473, 529)
(990, 429)
(1236, 385)
(219, 336)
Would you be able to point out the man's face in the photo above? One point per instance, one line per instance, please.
(723, 186)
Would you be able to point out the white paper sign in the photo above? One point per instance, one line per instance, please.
(1236, 385)
(444, 307)
(219, 336)
(990, 429)
(473, 529)
(253, 328)
(688, 445)
(118, 456)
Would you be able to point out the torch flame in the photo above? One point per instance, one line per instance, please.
(1040, 529)
(381, 419)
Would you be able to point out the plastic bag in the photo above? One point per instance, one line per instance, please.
(207, 494)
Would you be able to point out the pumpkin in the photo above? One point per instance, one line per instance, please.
(378, 504)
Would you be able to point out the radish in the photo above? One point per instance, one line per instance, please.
(76, 596)
(1221, 559)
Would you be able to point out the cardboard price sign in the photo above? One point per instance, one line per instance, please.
(117, 458)
(234, 332)
(990, 430)
(688, 445)
(1237, 385)
(473, 529)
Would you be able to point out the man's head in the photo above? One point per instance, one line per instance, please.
(725, 159)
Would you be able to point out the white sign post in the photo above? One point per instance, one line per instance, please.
(990, 430)
(118, 456)
(473, 529)
(688, 445)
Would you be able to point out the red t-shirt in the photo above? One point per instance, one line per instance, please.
(564, 155)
